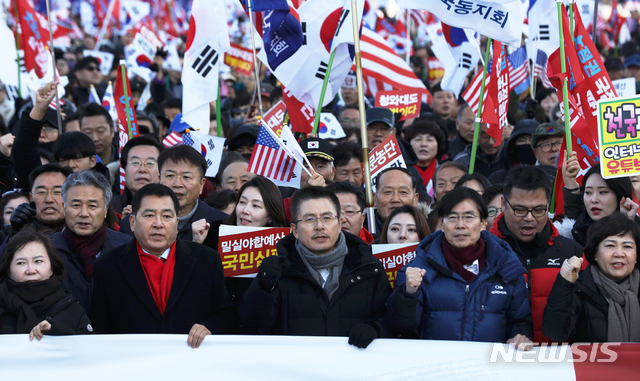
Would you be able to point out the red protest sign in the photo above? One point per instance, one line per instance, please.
(406, 102)
(435, 69)
(301, 115)
(499, 90)
(239, 58)
(387, 154)
(274, 117)
(394, 257)
(242, 249)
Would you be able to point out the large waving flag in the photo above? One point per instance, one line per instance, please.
(465, 58)
(210, 147)
(33, 39)
(518, 70)
(207, 41)
(383, 69)
(543, 25)
(269, 159)
(500, 20)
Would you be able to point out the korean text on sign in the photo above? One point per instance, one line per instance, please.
(619, 136)
(394, 257)
(386, 155)
(406, 103)
(242, 251)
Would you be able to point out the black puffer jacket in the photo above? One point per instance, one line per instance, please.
(299, 306)
(66, 317)
(576, 312)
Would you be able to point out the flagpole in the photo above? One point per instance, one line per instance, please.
(218, 116)
(571, 18)
(105, 23)
(285, 148)
(18, 48)
(565, 87)
(126, 97)
(316, 121)
(55, 75)
(595, 21)
(474, 145)
(255, 59)
(408, 43)
(371, 218)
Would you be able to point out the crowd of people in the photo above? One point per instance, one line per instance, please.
(492, 264)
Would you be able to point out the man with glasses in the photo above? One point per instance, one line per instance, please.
(139, 160)
(547, 143)
(526, 227)
(87, 71)
(352, 204)
(323, 282)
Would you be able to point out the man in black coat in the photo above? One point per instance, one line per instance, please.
(323, 282)
(157, 283)
(182, 169)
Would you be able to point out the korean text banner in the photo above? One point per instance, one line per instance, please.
(407, 102)
(394, 257)
(618, 125)
(386, 155)
(500, 20)
(242, 249)
(168, 357)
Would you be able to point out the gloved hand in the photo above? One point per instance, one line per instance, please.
(270, 271)
(530, 106)
(362, 335)
(22, 215)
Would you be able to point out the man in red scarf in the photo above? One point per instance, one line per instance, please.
(158, 283)
(86, 196)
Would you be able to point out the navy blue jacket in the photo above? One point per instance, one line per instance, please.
(492, 308)
(75, 282)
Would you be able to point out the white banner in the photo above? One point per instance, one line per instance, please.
(168, 357)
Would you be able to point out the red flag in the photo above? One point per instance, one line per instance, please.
(33, 39)
(498, 92)
(301, 115)
(121, 108)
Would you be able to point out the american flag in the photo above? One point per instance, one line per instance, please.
(269, 159)
(382, 68)
(172, 139)
(472, 93)
(518, 70)
(418, 17)
(540, 69)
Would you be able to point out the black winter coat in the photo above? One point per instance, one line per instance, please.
(299, 306)
(66, 317)
(576, 312)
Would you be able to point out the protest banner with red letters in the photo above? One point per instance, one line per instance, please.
(406, 102)
(618, 137)
(301, 115)
(498, 91)
(239, 58)
(274, 117)
(386, 155)
(394, 256)
(435, 69)
(242, 249)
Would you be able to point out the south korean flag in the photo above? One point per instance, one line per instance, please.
(207, 41)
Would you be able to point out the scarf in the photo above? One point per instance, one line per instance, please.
(159, 275)
(457, 258)
(427, 172)
(624, 312)
(182, 221)
(28, 300)
(333, 261)
(87, 248)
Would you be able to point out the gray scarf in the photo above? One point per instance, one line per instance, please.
(624, 311)
(182, 221)
(332, 261)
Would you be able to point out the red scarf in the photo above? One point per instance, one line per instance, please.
(456, 258)
(86, 247)
(427, 174)
(365, 236)
(159, 275)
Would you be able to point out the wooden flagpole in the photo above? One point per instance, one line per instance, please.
(595, 21)
(371, 218)
(474, 145)
(408, 42)
(55, 74)
(255, 59)
(18, 49)
(316, 121)
(565, 87)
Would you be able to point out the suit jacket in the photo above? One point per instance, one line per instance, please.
(213, 217)
(122, 301)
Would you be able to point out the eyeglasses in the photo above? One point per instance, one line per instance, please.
(546, 147)
(355, 121)
(138, 163)
(379, 127)
(494, 211)
(327, 219)
(522, 212)
(454, 218)
(42, 193)
(92, 68)
(351, 213)
(49, 130)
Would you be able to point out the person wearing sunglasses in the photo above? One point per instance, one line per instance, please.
(526, 227)
(87, 72)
